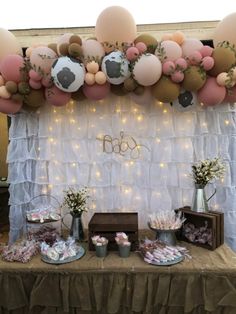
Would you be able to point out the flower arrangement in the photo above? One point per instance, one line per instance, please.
(166, 220)
(99, 241)
(76, 200)
(122, 239)
(207, 170)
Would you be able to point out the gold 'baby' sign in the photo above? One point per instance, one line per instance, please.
(122, 145)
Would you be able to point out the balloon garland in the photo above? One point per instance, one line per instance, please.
(121, 62)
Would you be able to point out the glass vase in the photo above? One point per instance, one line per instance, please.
(76, 229)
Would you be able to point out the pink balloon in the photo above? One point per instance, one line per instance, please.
(211, 93)
(230, 95)
(177, 76)
(141, 47)
(168, 67)
(132, 53)
(143, 99)
(47, 81)
(206, 51)
(96, 91)
(34, 75)
(191, 45)
(42, 59)
(57, 97)
(207, 63)
(10, 68)
(35, 84)
(9, 106)
(195, 58)
(181, 63)
(172, 51)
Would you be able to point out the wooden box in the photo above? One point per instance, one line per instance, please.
(215, 221)
(107, 224)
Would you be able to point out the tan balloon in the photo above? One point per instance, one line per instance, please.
(194, 78)
(9, 44)
(165, 90)
(224, 59)
(148, 40)
(100, 78)
(115, 25)
(225, 30)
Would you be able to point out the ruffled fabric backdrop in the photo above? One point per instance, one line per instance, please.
(133, 157)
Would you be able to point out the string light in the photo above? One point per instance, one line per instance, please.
(74, 164)
(227, 122)
(160, 103)
(50, 129)
(98, 174)
(124, 120)
(54, 111)
(162, 165)
(73, 180)
(140, 118)
(39, 148)
(50, 186)
(165, 111)
(72, 121)
(51, 139)
(77, 146)
(158, 140)
(204, 124)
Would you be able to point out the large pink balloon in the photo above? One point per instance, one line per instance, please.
(115, 24)
(11, 68)
(147, 70)
(211, 93)
(225, 30)
(57, 97)
(9, 106)
(190, 45)
(95, 91)
(230, 95)
(172, 51)
(9, 44)
(41, 59)
(92, 50)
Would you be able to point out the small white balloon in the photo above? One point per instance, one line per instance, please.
(116, 67)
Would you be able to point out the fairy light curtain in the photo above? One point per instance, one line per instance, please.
(133, 157)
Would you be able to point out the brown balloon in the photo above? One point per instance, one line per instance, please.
(17, 97)
(75, 50)
(194, 78)
(75, 39)
(166, 90)
(78, 95)
(24, 88)
(148, 40)
(139, 90)
(11, 87)
(224, 59)
(53, 46)
(119, 90)
(63, 49)
(35, 98)
(130, 84)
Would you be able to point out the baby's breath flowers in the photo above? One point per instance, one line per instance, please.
(207, 170)
(76, 200)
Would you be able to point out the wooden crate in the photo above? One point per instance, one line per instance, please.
(215, 221)
(107, 224)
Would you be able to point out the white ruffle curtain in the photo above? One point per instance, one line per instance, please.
(55, 148)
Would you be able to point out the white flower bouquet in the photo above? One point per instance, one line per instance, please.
(207, 170)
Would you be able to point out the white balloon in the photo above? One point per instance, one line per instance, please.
(68, 74)
(116, 67)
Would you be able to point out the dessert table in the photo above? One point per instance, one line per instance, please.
(91, 285)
